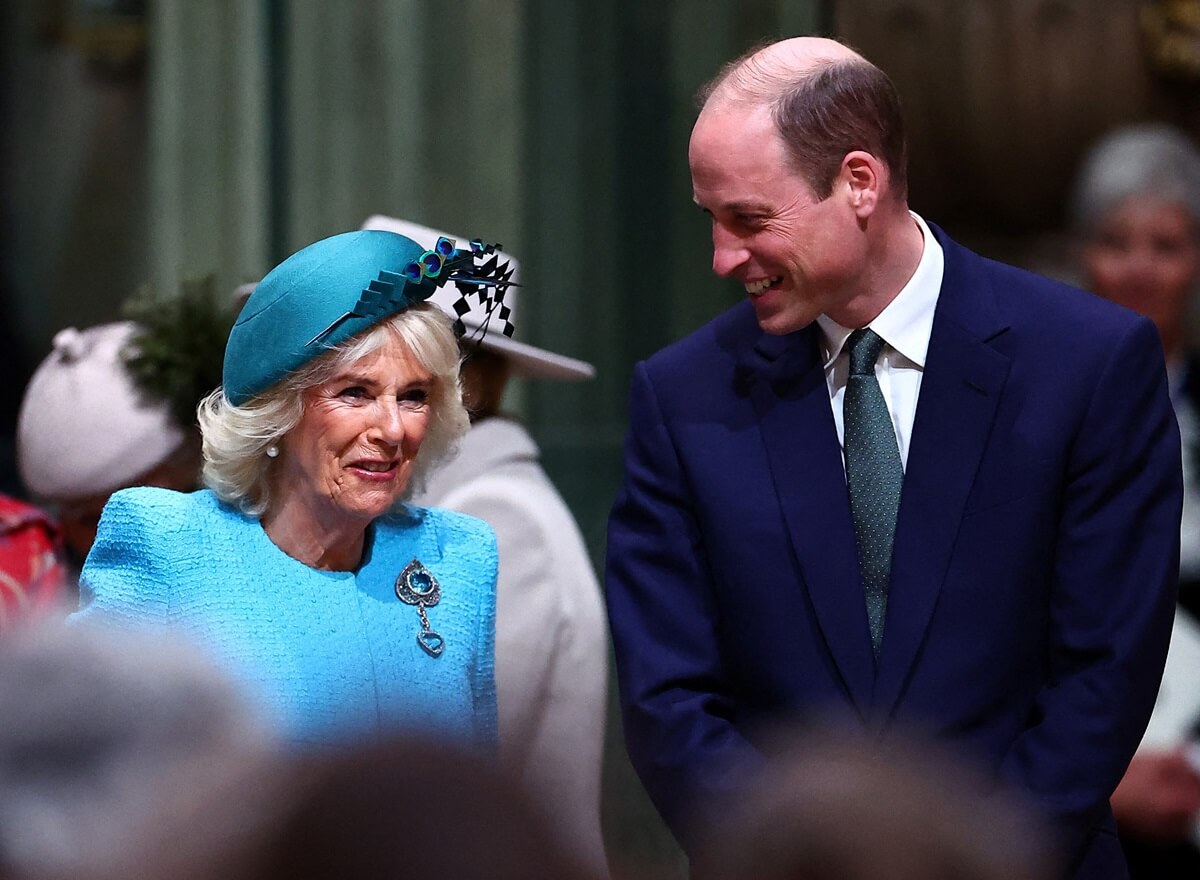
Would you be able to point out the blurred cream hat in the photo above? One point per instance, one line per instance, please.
(526, 360)
(84, 428)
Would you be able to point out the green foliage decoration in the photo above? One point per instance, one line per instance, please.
(178, 353)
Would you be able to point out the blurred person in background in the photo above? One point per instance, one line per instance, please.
(33, 579)
(302, 566)
(551, 635)
(835, 805)
(1136, 217)
(103, 735)
(85, 430)
(114, 406)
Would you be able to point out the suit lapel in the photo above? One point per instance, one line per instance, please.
(961, 387)
(790, 396)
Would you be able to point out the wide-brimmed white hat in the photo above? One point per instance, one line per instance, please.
(84, 427)
(527, 360)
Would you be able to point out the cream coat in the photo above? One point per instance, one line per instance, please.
(551, 635)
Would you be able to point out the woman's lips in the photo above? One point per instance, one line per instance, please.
(374, 470)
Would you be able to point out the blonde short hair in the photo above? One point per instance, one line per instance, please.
(236, 438)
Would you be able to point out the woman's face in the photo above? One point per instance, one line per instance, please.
(1145, 255)
(351, 456)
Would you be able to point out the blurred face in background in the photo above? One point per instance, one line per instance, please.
(1145, 255)
(78, 518)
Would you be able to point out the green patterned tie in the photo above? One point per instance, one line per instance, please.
(874, 474)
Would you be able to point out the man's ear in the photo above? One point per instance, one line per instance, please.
(862, 176)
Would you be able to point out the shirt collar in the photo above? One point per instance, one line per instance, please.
(906, 323)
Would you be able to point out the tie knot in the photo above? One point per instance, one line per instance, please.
(864, 346)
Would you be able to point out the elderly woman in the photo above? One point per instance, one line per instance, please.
(1137, 219)
(301, 565)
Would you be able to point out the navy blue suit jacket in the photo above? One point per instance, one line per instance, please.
(1034, 567)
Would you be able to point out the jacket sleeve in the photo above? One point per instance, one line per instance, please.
(676, 702)
(482, 549)
(1114, 586)
(128, 573)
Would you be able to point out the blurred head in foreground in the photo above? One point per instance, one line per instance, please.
(102, 737)
(387, 810)
(841, 807)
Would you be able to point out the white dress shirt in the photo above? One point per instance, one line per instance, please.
(905, 326)
(1189, 432)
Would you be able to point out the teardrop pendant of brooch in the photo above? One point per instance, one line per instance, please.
(417, 586)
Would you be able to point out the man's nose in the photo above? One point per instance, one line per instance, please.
(728, 251)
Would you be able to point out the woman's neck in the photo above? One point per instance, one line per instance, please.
(316, 544)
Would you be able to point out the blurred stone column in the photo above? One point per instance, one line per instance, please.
(403, 107)
(208, 121)
(275, 123)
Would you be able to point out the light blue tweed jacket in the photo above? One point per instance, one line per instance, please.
(333, 656)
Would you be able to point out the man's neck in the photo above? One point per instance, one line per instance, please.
(891, 261)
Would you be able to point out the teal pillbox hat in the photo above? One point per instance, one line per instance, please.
(317, 298)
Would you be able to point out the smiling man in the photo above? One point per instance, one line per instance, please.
(901, 485)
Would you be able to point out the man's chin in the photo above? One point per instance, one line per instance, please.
(781, 322)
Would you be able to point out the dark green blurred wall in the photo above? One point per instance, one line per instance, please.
(620, 255)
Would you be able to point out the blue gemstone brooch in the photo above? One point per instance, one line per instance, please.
(416, 585)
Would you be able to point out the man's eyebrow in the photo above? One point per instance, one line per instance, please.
(735, 207)
(747, 207)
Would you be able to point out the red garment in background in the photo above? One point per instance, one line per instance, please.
(32, 576)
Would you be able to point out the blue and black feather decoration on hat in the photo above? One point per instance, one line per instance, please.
(442, 263)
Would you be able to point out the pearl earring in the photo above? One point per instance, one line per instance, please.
(272, 451)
